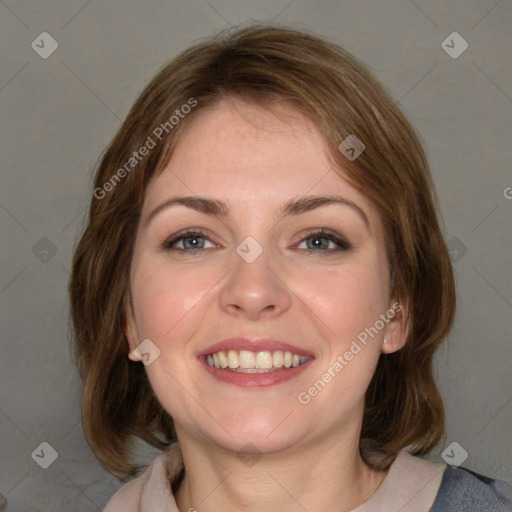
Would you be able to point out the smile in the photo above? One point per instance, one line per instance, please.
(247, 369)
(246, 361)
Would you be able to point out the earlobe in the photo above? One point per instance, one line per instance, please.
(397, 330)
(131, 354)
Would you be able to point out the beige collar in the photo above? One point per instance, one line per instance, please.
(411, 485)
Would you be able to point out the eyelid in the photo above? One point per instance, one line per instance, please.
(341, 242)
(186, 233)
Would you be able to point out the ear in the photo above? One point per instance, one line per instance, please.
(397, 329)
(130, 330)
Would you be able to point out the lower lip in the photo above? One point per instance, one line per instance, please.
(251, 380)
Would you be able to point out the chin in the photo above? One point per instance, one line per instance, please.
(263, 435)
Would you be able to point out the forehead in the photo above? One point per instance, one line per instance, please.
(242, 153)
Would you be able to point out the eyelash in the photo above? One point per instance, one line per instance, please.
(343, 245)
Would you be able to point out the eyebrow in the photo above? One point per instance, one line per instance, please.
(296, 206)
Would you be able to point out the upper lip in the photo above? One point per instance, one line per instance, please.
(254, 345)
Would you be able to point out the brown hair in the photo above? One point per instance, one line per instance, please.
(262, 65)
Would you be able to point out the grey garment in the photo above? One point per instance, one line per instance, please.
(462, 490)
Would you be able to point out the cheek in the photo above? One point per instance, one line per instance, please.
(164, 296)
(347, 300)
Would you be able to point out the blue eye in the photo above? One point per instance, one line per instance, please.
(321, 242)
(318, 244)
(191, 240)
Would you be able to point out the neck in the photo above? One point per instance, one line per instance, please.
(325, 475)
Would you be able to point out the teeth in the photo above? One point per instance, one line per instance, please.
(246, 359)
(264, 359)
(278, 359)
(254, 370)
(223, 359)
(232, 359)
(255, 362)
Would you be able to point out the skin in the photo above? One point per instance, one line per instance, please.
(255, 160)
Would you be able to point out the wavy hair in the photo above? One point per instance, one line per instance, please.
(265, 64)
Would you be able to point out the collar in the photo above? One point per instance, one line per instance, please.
(411, 485)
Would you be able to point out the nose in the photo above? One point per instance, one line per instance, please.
(254, 290)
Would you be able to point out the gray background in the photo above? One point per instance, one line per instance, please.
(59, 113)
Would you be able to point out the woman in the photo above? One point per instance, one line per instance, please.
(261, 288)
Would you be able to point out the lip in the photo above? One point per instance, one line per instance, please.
(254, 380)
(259, 380)
(254, 345)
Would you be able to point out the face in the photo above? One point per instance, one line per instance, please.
(259, 269)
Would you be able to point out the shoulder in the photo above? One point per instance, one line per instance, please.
(464, 490)
(129, 497)
(151, 490)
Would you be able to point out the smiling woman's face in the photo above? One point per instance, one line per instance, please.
(258, 269)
